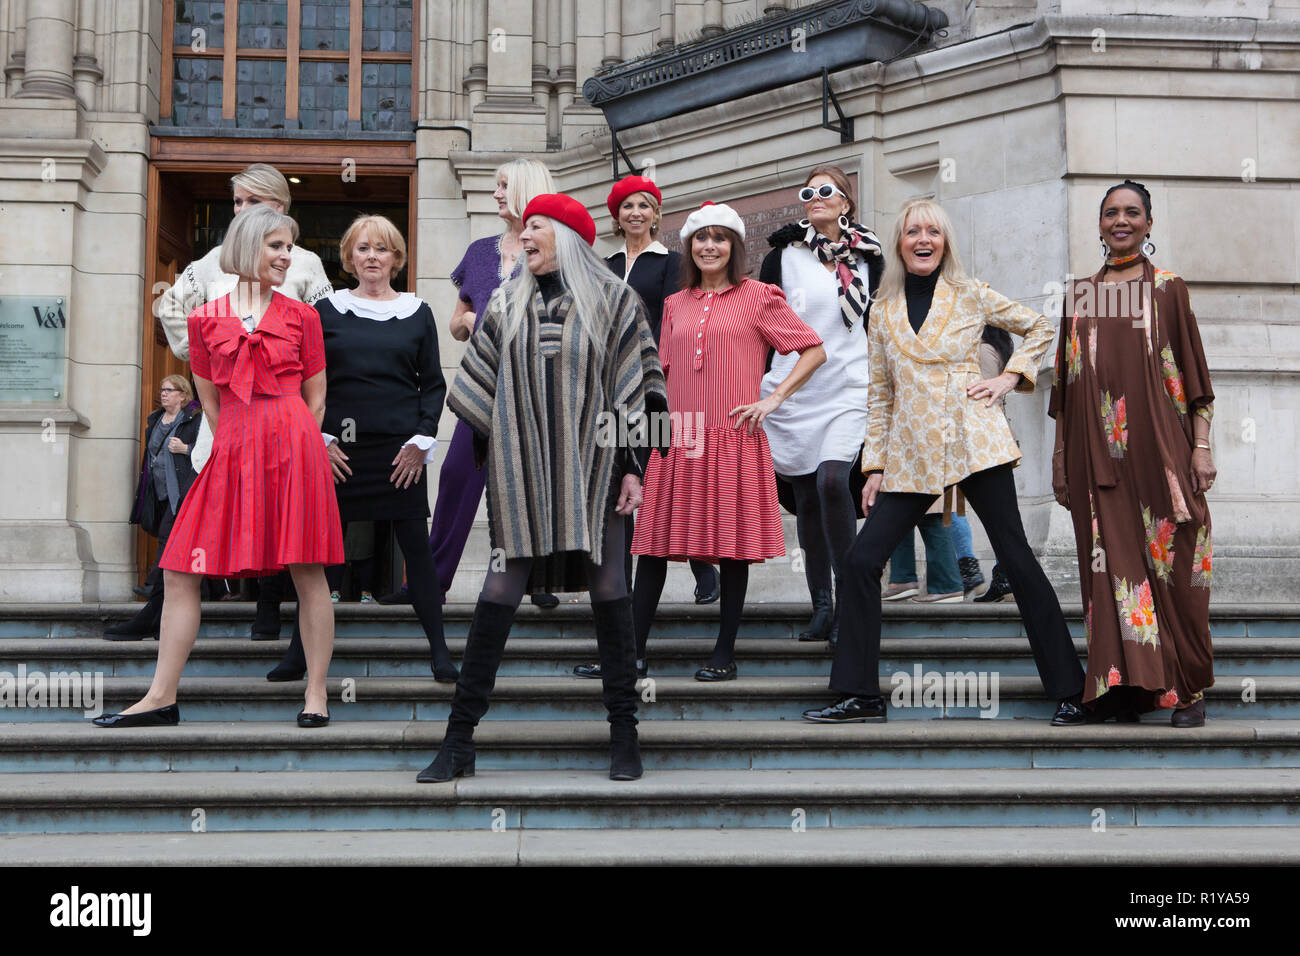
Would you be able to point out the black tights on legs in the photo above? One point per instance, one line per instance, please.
(651, 572)
(605, 582)
(412, 535)
(826, 520)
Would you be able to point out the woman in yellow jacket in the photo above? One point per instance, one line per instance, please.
(933, 422)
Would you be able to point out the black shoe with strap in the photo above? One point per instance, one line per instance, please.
(971, 575)
(484, 645)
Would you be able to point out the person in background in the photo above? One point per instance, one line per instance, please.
(564, 346)
(386, 391)
(204, 281)
(933, 427)
(165, 476)
(1132, 462)
(265, 500)
(828, 265)
(486, 264)
(714, 496)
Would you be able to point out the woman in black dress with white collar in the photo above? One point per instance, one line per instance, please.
(385, 393)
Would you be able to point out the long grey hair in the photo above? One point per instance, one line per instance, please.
(584, 274)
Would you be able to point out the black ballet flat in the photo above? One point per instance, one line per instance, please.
(710, 675)
(312, 720)
(545, 601)
(168, 716)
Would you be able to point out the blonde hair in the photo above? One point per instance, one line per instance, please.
(525, 178)
(264, 182)
(950, 267)
(181, 384)
(654, 204)
(381, 230)
(241, 251)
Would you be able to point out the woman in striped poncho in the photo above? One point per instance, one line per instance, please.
(563, 358)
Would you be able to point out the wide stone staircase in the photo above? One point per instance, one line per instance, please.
(733, 775)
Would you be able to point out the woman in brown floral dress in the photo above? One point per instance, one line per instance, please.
(1133, 403)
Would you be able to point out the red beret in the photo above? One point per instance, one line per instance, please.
(564, 209)
(626, 187)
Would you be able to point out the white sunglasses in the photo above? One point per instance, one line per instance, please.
(824, 191)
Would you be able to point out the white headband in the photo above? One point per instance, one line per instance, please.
(713, 214)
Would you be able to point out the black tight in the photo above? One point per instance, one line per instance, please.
(651, 572)
(605, 582)
(826, 521)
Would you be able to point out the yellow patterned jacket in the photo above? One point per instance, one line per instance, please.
(922, 429)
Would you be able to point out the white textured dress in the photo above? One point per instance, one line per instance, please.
(826, 420)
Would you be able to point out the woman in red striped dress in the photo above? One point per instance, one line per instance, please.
(714, 496)
(265, 500)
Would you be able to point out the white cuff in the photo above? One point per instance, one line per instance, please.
(426, 443)
(329, 439)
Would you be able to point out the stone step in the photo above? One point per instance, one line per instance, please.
(1235, 657)
(762, 620)
(697, 799)
(583, 745)
(662, 698)
(1152, 846)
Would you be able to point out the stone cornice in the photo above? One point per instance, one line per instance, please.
(24, 159)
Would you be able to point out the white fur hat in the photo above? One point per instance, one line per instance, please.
(713, 214)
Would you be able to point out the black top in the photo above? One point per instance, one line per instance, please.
(383, 375)
(920, 293)
(552, 288)
(187, 430)
(654, 277)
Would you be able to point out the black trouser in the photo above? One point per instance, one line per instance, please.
(992, 493)
(153, 580)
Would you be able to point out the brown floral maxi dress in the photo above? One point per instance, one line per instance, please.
(1130, 376)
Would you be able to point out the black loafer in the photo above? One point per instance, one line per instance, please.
(1068, 714)
(587, 670)
(707, 596)
(397, 597)
(265, 636)
(851, 710)
(545, 601)
(711, 675)
(281, 674)
(312, 720)
(168, 716)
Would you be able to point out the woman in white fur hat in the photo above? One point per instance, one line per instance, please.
(714, 496)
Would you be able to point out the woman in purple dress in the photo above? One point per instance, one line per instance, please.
(487, 262)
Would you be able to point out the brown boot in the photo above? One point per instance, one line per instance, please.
(1190, 716)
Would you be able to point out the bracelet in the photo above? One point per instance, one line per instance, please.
(1204, 445)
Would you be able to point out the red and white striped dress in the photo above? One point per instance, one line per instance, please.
(265, 499)
(714, 495)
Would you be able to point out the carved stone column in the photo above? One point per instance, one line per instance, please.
(50, 42)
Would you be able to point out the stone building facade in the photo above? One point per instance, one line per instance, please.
(1016, 116)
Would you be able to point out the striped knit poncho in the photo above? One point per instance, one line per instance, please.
(550, 408)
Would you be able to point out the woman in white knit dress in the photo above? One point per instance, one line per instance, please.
(828, 265)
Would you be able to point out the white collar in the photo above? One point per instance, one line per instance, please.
(656, 247)
(406, 304)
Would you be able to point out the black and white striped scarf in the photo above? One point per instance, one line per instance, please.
(854, 298)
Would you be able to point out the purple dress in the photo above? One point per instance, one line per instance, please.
(460, 484)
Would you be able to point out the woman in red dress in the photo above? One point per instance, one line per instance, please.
(265, 500)
(714, 496)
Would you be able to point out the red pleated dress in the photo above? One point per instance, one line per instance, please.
(714, 495)
(265, 499)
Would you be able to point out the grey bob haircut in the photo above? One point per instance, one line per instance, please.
(241, 251)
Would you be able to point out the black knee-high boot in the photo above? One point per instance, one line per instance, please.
(617, 646)
(478, 675)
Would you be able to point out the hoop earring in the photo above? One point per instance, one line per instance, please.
(1148, 247)
(1105, 249)
(844, 223)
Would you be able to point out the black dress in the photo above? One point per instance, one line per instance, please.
(655, 276)
(384, 384)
